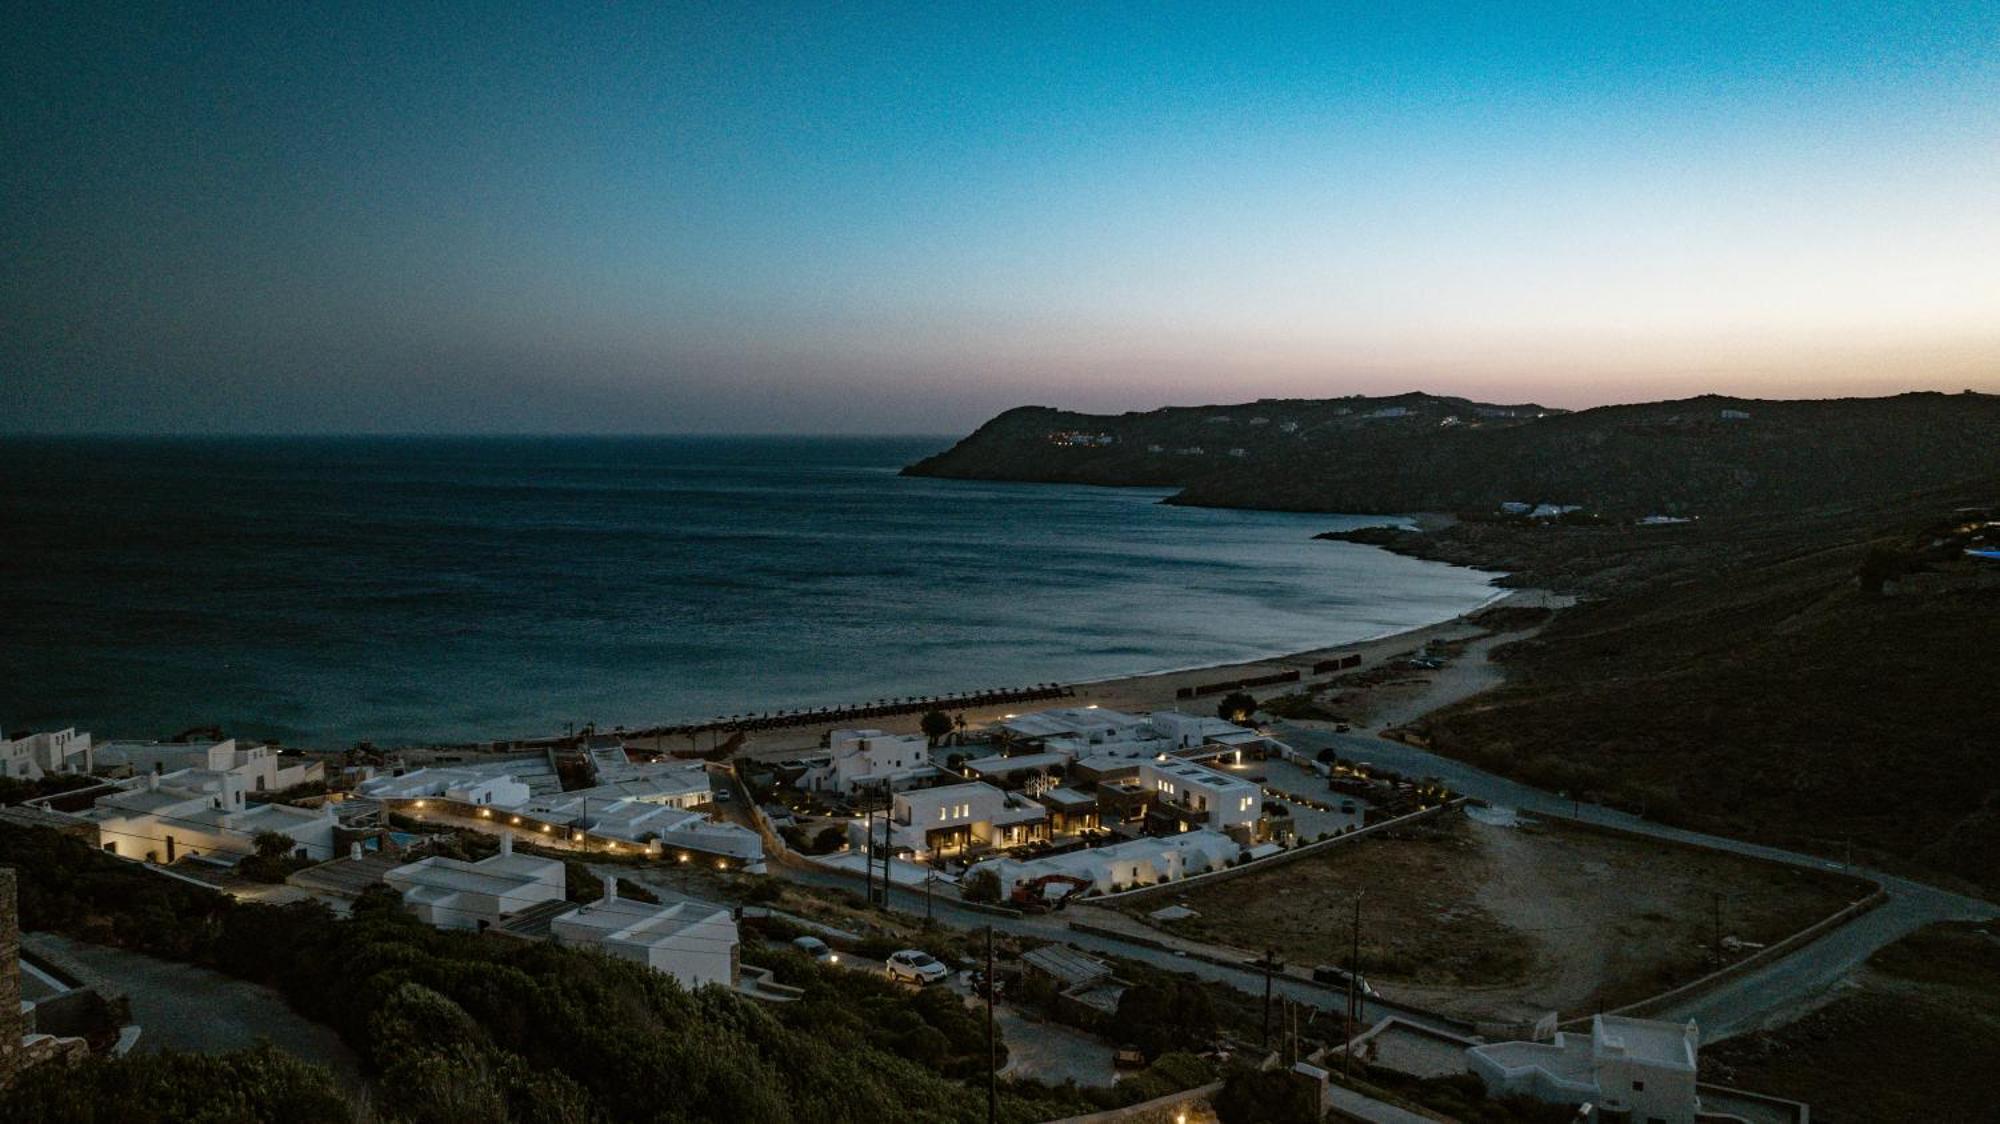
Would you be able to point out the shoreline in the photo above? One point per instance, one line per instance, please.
(1156, 690)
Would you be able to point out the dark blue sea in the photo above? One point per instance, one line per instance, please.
(328, 590)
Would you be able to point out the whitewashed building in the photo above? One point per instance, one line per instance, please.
(1123, 866)
(262, 768)
(32, 756)
(1201, 796)
(1628, 1069)
(951, 819)
(475, 787)
(454, 894)
(869, 760)
(694, 942)
(655, 815)
(200, 812)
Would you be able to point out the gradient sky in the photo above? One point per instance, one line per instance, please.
(742, 218)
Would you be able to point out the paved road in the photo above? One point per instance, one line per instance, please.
(1055, 927)
(1767, 996)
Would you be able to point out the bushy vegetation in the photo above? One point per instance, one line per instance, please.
(981, 885)
(1254, 1096)
(247, 1087)
(462, 1027)
(1768, 694)
(1170, 1015)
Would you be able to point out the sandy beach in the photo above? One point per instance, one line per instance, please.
(1158, 691)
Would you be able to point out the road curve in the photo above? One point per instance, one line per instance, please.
(1768, 995)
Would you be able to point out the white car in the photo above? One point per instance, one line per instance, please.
(817, 949)
(917, 967)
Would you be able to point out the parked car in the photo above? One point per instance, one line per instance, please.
(817, 949)
(917, 967)
(1336, 976)
(722, 796)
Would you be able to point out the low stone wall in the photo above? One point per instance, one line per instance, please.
(1776, 950)
(1189, 1105)
(1755, 960)
(1279, 859)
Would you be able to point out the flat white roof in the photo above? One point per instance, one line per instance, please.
(1000, 764)
(1649, 1040)
(950, 792)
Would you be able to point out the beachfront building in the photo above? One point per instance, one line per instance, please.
(474, 787)
(263, 768)
(32, 756)
(1076, 731)
(953, 819)
(1100, 739)
(1202, 797)
(1029, 771)
(1123, 866)
(656, 811)
(1627, 1069)
(200, 812)
(1071, 812)
(453, 894)
(694, 942)
(870, 761)
(655, 814)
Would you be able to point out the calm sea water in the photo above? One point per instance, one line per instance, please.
(328, 590)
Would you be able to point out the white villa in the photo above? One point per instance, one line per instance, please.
(165, 817)
(262, 768)
(953, 818)
(654, 814)
(1126, 865)
(1201, 796)
(452, 894)
(1100, 738)
(871, 760)
(1628, 1069)
(34, 756)
(477, 787)
(694, 942)
(656, 810)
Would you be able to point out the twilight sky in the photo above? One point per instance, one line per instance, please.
(743, 218)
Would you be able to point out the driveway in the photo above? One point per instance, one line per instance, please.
(181, 1007)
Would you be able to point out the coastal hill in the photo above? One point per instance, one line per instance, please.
(1819, 679)
(1422, 452)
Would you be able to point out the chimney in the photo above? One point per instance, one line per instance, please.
(152, 782)
(610, 888)
(506, 842)
(354, 851)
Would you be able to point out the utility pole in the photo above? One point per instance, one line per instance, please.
(1270, 956)
(868, 855)
(1716, 897)
(992, 1066)
(1353, 982)
(929, 877)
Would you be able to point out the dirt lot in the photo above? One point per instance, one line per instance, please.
(1913, 1039)
(1510, 922)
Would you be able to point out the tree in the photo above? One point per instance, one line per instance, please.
(1237, 707)
(981, 885)
(273, 860)
(1878, 567)
(935, 725)
(1255, 1096)
(1162, 1017)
